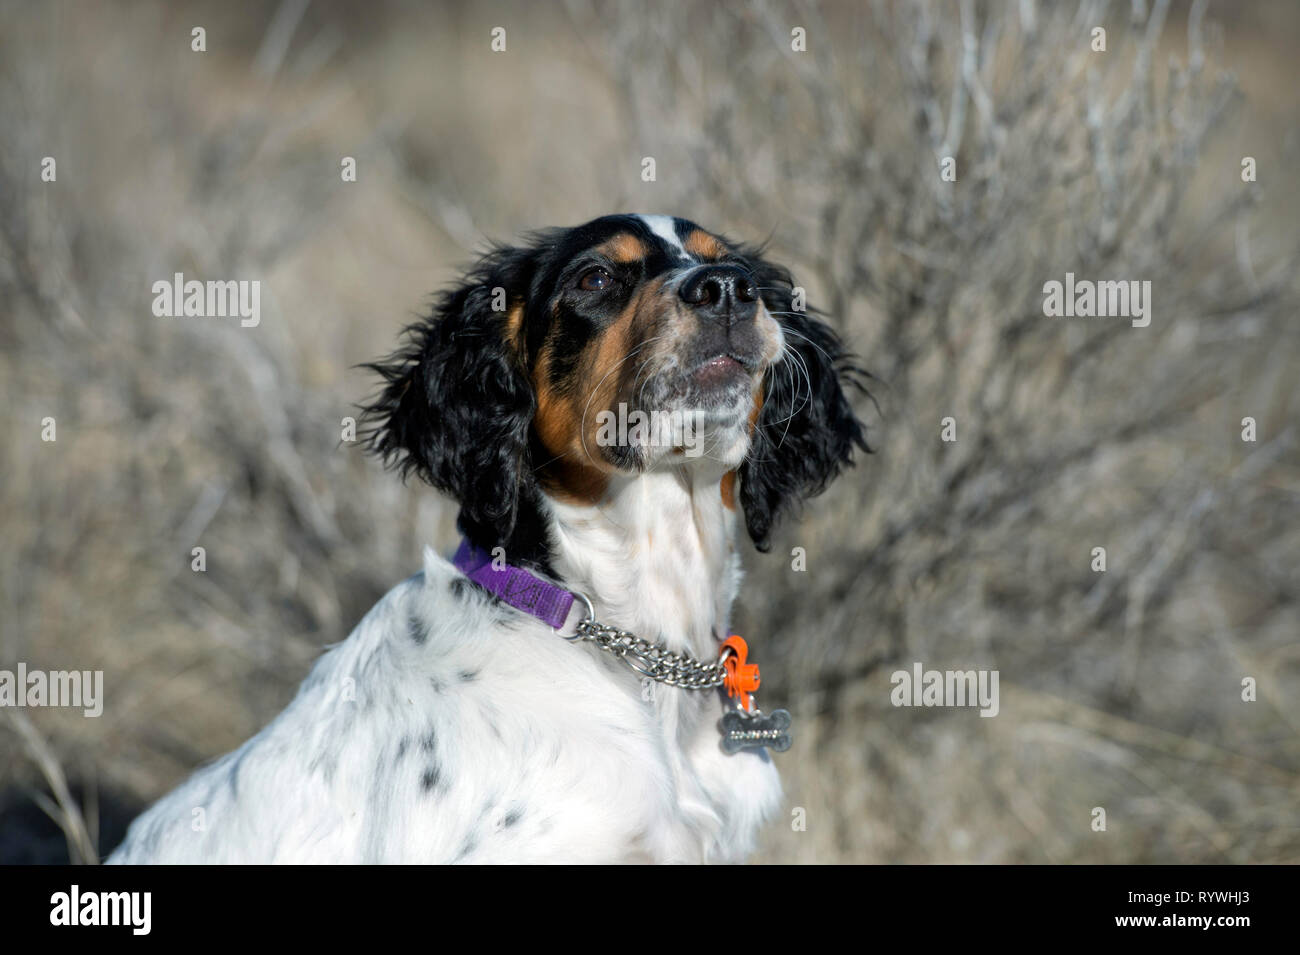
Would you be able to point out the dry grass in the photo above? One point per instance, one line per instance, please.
(1120, 690)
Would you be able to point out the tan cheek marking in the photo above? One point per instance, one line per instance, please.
(704, 246)
(578, 473)
(755, 411)
(569, 476)
(729, 490)
(573, 483)
(611, 365)
(623, 248)
(552, 417)
(515, 327)
(602, 371)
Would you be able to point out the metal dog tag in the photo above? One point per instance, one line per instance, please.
(755, 731)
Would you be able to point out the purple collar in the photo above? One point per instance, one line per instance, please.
(520, 588)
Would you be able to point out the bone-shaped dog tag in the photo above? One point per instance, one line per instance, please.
(741, 731)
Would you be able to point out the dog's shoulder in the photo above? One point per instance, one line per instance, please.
(446, 727)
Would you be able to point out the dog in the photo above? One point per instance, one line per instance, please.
(605, 403)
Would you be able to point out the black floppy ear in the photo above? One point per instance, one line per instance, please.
(456, 402)
(806, 430)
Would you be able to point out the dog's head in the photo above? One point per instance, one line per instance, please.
(623, 345)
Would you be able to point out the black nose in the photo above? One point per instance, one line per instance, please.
(722, 292)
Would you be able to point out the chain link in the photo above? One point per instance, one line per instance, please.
(652, 659)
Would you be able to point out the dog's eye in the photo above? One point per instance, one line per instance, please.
(595, 280)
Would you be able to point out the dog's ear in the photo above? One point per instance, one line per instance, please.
(806, 431)
(456, 402)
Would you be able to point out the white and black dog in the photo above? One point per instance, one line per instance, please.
(602, 402)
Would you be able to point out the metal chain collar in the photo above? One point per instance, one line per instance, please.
(653, 660)
(741, 728)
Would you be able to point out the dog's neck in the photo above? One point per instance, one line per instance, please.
(656, 555)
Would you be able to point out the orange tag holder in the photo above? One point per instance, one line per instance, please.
(742, 677)
(747, 727)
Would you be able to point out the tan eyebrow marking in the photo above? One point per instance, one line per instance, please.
(704, 246)
(623, 248)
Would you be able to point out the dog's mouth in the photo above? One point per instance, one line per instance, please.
(690, 407)
(716, 382)
(720, 372)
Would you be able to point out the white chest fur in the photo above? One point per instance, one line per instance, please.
(449, 727)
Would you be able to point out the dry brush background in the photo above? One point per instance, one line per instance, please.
(1120, 690)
